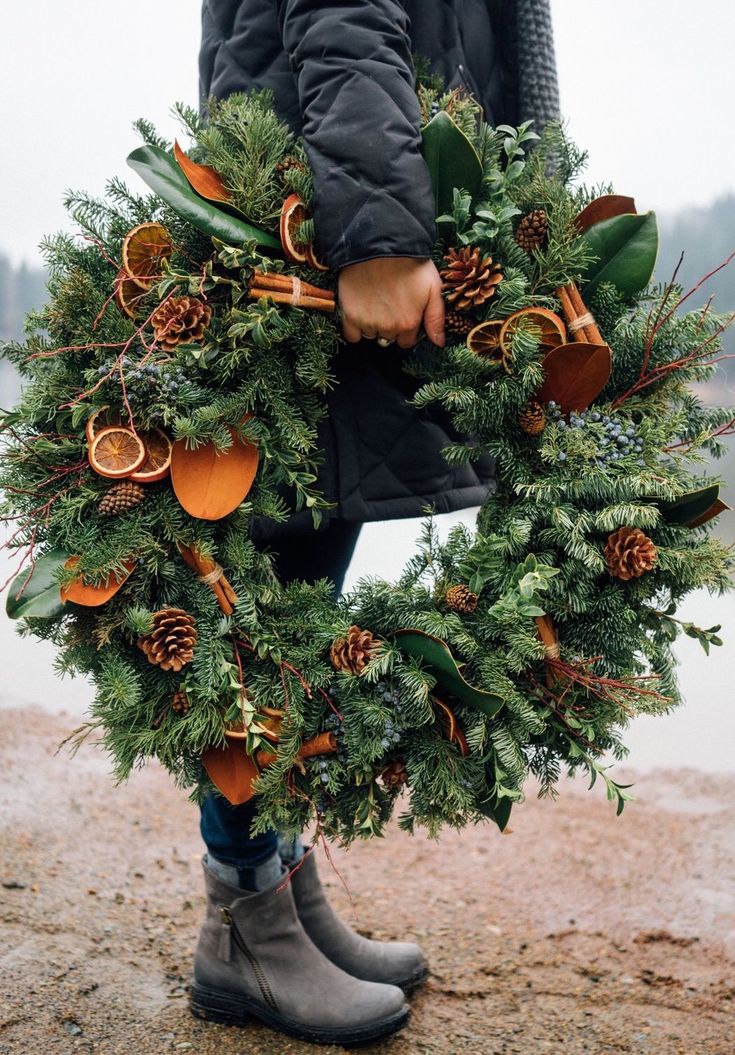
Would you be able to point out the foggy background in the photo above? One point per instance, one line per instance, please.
(650, 102)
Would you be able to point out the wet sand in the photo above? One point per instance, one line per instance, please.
(578, 933)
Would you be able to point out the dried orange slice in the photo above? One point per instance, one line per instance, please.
(100, 419)
(143, 251)
(484, 340)
(128, 295)
(550, 327)
(158, 448)
(313, 260)
(116, 452)
(293, 214)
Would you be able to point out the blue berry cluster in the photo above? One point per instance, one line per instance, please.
(615, 438)
(389, 695)
(152, 387)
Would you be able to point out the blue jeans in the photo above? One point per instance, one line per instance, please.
(323, 554)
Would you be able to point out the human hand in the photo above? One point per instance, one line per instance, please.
(390, 297)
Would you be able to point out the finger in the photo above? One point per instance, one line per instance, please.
(352, 333)
(434, 317)
(408, 337)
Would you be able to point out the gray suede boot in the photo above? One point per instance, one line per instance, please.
(391, 962)
(254, 960)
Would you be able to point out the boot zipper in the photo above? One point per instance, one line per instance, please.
(257, 969)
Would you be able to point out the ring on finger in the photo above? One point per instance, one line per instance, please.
(384, 342)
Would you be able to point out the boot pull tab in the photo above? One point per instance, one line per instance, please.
(224, 950)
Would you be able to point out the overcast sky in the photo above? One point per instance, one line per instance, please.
(646, 86)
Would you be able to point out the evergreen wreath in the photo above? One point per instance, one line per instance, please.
(174, 384)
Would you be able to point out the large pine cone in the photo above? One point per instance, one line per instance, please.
(469, 279)
(171, 642)
(629, 553)
(121, 497)
(532, 230)
(461, 599)
(180, 320)
(353, 652)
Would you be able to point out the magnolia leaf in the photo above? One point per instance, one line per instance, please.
(89, 595)
(211, 484)
(625, 249)
(693, 509)
(575, 374)
(159, 170)
(603, 208)
(452, 161)
(232, 771)
(438, 657)
(497, 809)
(34, 594)
(205, 180)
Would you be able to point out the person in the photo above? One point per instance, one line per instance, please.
(342, 75)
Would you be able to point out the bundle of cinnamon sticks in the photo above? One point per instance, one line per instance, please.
(211, 573)
(580, 321)
(287, 289)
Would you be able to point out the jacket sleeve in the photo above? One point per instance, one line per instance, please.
(354, 75)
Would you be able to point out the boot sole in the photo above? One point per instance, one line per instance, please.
(234, 1010)
(413, 982)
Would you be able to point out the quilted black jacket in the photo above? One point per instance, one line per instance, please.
(342, 75)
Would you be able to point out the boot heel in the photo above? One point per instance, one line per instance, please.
(218, 1007)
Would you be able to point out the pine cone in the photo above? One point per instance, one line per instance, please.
(180, 702)
(353, 652)
(289, 162)
(532, 230)
(533, 419)
(171, 642)
(458, 324)
(629, 553)
(121, 497)
(395, 775)
(180, 320)
(461, 599)
(469, 279)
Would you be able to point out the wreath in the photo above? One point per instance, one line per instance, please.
(173, 388)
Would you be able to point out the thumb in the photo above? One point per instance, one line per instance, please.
(434, 316)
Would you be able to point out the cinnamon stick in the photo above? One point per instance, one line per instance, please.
(547, 633)
(205, 566)
(574, 309)
(316, 303)
(285, 284)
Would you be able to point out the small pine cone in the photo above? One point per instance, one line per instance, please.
(458, 324)
(469, 279)
(395, 775)
(121, 497)
(532, 230)
(171, 643)
(461, 599)
(180, 320)
(353, 652)
(533, 419)
(180, 702)
(289, 162)
(629, 553)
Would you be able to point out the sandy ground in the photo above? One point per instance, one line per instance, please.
(577, 933)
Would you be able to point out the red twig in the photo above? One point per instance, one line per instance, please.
(329, 700)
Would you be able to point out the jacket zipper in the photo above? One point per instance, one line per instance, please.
(254, 963)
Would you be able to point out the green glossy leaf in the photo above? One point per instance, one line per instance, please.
(452, 161)
(625, 249)
(690, 507)
(438, 657)
(497, 809)
(159, 170)
(38, 588)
